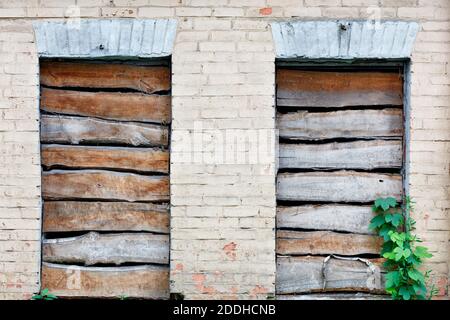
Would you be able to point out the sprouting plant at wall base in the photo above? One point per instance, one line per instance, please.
(404, 280)
(44, 295)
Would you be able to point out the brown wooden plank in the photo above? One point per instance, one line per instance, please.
(338, 186)
(298, 88)
(101, 184)
(136, 159)
(151, 282)
(311, 274)
(291, 242)
(346, 218)
(147, 79)
(75, 130)
(107, 105)
(334, 296)
(93, 248)
(66, 216)
(366, 155)
(304, 125)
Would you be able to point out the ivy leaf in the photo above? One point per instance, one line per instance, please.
(422, 252)
(392, 279)
(376, 222)
(404, 292)
(44, 292)
(386, 203)
(385, 232)
(36, 297)
(416, 275)
(397, 219)
(406, 253)
(398, 253)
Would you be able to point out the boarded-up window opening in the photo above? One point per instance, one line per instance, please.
(105, 129)
(341, 146)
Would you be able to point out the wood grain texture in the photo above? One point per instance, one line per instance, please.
(366, 155)
(291, 242)
(311, 274)
(364, 124)
(68, 216)
(107, 105)
(76, 130)
(100, 184)
(118, 158)
(345, 218)
(147, 79)
(151, 282)
(93, 248)
(338, 186)
(298, 88)
(334, 296)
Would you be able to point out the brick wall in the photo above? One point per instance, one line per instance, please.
(223, 209)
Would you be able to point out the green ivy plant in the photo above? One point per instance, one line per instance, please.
(404, 280)
(44, 295)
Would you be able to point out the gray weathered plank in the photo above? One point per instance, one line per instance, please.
(364, 124)
(75, 130)
(101, 184)
(334, 296)
(94, 248)
(151, 282)
(291, 242)
(311, 274)
(346, 218)
(137, 159)
(338, 186)
(68, 216)
(366, 155)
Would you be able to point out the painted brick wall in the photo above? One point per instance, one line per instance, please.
(223, 208)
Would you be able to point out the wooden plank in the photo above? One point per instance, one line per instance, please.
(151, 282)
(67, 216)
(136, 159)
(311, 274)
(291, 242)
(298, 88)
(94, 248)
(107, 105)
(366, 155)
(75, 130)
(338, 186)
(346, 218)
(364, 124)
(101, 184)
(147, 79)
(334, 296)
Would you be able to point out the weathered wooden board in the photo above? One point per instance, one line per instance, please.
(291, 242)
(136, 159)
(338, 186)
(147, 79)
(298, 88)
(100, 184)
(334, 296)
(107, 105)
(94, 248)
(75, 130)
(151, 282)
(366, 155)
(311, 274)
(304, 125)
(347, 218)
(67, 216)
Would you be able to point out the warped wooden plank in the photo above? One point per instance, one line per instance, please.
(298, 88)
(364, 124)
(107, 105)
(151, 282)
(346, 218)
(75, 130)
(147, 79)
(101, 184)
(93, 248)
(334, 296)
(338, 186)
(137, 159)
(366, 155)
(311, 274)
(67, 216)
(326, 242)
